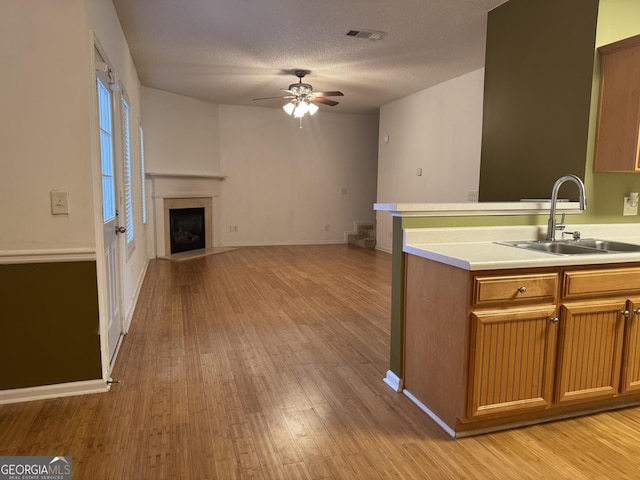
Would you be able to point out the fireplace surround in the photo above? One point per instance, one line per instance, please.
(187, 204)
(183, 190)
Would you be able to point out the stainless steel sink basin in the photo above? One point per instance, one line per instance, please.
(576, 247)
(559, 248)
(608, 245)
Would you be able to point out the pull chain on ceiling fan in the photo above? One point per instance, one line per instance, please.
(303, 98)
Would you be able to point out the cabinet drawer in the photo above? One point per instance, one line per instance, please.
(540, 287)
(616, 281)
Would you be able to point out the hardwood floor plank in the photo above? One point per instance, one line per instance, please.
(244, 447)
(265, 448)
(297, 471)
(309, 450)
(267, 363)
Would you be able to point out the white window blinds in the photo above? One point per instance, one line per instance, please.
(126, 153)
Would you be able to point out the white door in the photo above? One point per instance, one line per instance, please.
(109, 209)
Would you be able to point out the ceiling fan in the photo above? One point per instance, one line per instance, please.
(303, 98)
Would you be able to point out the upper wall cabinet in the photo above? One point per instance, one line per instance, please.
(617, 142)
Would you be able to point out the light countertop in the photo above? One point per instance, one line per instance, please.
(475, 248)
(537, 207)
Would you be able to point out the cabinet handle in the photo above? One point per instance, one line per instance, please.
(555, 320)
(625, 313)
(522, 289)
(637, 312)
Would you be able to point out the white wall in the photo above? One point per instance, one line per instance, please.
(44, 125)
(181, 133)
(181, 137)
(285, 184)
(288, 185)
(439, 130)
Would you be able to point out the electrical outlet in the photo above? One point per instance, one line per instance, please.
(630, 207)
(472, 196)
(326, 227)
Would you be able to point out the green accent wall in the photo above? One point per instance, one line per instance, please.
(537, 97)
(49, 325)
(617, 19)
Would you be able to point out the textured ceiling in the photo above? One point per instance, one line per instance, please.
(231, 51)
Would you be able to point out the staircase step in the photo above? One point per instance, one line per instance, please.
(362, 242)
(366, 230)
(365, 236)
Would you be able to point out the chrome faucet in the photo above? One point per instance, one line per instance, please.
(552, 225)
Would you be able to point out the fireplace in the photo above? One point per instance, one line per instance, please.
(187, 229)
(192, 219)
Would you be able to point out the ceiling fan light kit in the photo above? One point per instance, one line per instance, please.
(304, 99)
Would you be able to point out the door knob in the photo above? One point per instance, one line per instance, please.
(120, 230)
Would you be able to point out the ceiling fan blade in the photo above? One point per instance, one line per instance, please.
(269, 98)
(325, 101)
(329, 94)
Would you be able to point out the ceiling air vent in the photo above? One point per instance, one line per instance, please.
(368, 34)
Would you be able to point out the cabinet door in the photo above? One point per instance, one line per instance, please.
(631, 361)
(616, 147)
(511, 360)
(590, 350)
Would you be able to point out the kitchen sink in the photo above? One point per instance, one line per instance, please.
(575, 247)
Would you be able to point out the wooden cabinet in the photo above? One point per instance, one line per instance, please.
(513, 336)
(598, 348)
(618, 126)
(511, 361)
(509, 290)
(489, 349)
(590, 350)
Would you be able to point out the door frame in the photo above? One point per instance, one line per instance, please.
(101, 268)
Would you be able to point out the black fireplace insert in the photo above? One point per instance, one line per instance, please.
(186, 229)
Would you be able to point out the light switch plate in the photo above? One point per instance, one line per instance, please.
(59, 203)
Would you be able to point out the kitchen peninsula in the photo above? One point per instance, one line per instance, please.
(497, 336)
(447, 286)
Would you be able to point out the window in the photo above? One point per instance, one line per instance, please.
(106, 152)
(126, 154)
(142, 175)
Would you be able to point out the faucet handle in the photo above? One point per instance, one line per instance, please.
(561, 225)
(576, 234)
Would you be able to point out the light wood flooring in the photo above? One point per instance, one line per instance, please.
(267, 363)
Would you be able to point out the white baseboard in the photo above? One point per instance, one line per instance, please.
(275, 243)
(29, 394)
(394, 381)
(134, 298)
(432, 415)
